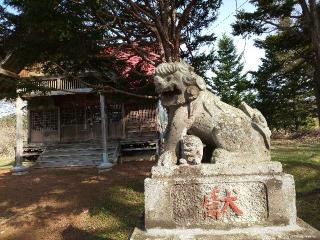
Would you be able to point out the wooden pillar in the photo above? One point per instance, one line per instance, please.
(29, 123)
(123, 121)
(18, 168)
(59, 84)
(59, 124)
(105, 160)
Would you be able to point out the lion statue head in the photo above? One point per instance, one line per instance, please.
(177, 83)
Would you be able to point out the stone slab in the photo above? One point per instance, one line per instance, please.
(270, 167)
(219, 202)
(301, 231)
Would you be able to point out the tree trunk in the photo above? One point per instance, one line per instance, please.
(316, 80)
(314, 27)
(316, 44)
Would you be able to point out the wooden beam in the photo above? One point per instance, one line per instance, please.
(8, 73)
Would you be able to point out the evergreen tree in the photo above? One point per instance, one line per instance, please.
(69, 36)
(299, 25)
(229, 82)
(285, 96)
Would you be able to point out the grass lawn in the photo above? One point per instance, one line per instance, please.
(123, 206)
(80, 204)
(121, 212)
(303, 162)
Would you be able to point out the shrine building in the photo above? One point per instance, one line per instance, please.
(73, 125)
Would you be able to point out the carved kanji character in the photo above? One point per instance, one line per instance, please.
(212, 208)
(229, 202)
(212, 205)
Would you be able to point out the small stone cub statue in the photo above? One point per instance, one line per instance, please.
(235, 134)
(191, 149)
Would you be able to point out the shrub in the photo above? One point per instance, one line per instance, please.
(7, 135)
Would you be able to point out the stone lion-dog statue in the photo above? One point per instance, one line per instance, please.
(238, 135)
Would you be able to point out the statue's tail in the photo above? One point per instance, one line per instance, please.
(259, 122)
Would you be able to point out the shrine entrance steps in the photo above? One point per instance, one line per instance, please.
(76, 155)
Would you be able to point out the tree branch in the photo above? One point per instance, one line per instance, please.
(283, 28)
(185, 15)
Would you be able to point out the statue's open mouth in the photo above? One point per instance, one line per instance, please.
(171, 92)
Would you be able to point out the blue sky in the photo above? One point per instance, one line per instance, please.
(252, 54)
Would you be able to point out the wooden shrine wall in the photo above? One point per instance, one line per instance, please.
(77, 119)
(141, 121)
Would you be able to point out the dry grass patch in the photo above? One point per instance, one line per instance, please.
(7, 140)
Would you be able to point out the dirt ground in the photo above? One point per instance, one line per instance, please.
(51, 204)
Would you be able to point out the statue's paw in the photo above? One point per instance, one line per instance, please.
(183, 161)
(166, 159)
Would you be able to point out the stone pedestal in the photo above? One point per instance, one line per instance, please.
(218, 201)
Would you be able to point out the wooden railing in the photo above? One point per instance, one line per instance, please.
(60, 84)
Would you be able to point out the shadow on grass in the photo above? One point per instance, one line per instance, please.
(307, 180)
(308, 208)
(46, 198)
(121, 211)
(74, 233)
(307, 175)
